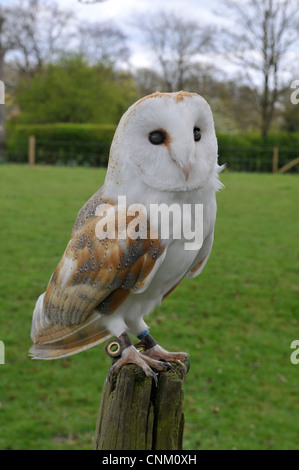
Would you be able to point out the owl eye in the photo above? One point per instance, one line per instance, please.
(197, 134)
(157, 137)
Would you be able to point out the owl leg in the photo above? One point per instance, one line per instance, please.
(149, 348)
(122, 349)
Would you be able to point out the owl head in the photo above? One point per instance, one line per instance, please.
(167, 140)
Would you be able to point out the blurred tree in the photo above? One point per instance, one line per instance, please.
(7, 37)
(175, 43)
(41, 30)
(54, 89)
(71, 90)
(147, 80)
(289, 113)
(7, 43)
(236, 102)
(263, 33)
(291, 118)
(230, 99)
(102, 42)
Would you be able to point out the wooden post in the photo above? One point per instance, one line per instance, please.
(135, 414)
(275, 160)
(31, 150)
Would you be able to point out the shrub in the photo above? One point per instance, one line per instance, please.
(248, 152)
(89, 144)
(82, 144)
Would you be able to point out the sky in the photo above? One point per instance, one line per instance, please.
(122, 12)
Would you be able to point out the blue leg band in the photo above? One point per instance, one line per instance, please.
(143, 334)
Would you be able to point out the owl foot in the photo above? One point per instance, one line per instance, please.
(148, 347)
(122, 349)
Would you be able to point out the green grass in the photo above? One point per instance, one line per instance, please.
(237, 320)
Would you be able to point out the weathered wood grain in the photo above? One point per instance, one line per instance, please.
(135, 414)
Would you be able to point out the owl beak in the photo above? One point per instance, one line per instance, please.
(185, 168)
(186, 171)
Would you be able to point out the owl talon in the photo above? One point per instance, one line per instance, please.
(148, 347)
(131, 356)
(186, 364)
(126, 353)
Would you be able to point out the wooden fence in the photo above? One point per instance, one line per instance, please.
(286, 167)
(275, 159)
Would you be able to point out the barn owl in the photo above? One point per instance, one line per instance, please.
(164, 151)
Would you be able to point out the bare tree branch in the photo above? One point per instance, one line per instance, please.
(264, 32)
(174, 43)
(41, 30)
(102, 42)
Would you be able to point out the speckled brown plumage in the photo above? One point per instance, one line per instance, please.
(93, 276)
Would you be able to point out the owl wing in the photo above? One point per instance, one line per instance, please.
(202, 257)
(198, 264)
(93, 278)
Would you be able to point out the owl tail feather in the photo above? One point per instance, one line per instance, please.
(58, 341)
(60, 349)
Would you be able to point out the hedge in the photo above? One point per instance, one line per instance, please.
(77, 144)
(248, 151)
(88, 144)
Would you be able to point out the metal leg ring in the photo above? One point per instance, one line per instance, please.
(115, 347)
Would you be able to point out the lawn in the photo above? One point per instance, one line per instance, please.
(237, 320)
